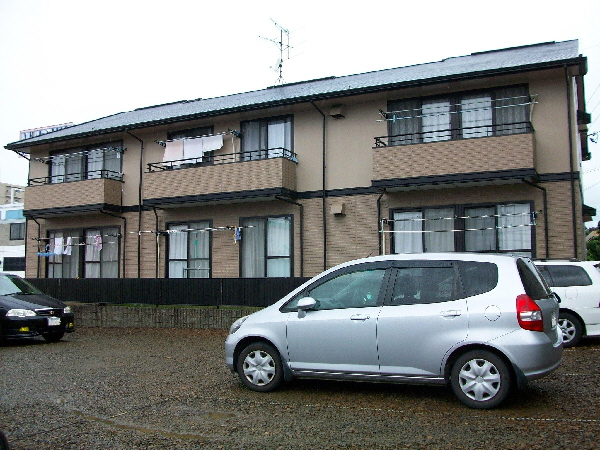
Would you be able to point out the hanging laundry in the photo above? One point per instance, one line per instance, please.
(98, 242)
(193, 148)
(173, 150)
(58, 245)
(211, 143)
(46, 253)
(68, 245)
(237, 235)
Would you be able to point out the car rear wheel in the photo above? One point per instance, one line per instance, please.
(480, 379)
(53, 336)
(259, 367)
(571, 328)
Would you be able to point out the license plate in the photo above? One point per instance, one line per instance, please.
(53, 321)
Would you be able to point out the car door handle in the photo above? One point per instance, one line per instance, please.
(450, 313)
(361, 317)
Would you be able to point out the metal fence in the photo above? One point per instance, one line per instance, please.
(256, 292)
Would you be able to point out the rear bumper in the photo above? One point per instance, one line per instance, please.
(18, 327)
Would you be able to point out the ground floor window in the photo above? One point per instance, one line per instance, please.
(189, 250)
(266, 247)
(500, 228)
(83, 253)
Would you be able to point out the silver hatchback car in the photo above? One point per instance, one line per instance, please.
(479, 323)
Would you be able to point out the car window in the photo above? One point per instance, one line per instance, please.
(12, 285)
(415, 285)
(565, 275)
(478, 277)
(357, 289)
(534, 284)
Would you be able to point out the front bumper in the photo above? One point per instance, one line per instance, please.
(18, 327)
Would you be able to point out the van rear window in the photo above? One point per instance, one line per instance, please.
(563, 275)
(533, 282)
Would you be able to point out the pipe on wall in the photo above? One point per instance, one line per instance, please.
(324, 182)
(545, 197)
(301, 206)
(124, 234)
(139, 239)
(571, 165)
(39, 240)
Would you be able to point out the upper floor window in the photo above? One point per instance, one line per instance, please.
(266, 138)
(17, 231)
(458, 116)
(494, 228)
(86, 163)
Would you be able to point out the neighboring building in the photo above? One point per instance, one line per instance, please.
(40, 131)
(12, 230)
(473, 153)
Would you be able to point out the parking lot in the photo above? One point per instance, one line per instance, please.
(169, 389)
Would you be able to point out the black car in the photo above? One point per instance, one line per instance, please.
(25, 311)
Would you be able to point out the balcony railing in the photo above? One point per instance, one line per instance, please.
(453, 134)
(210, 159)
(76, 176)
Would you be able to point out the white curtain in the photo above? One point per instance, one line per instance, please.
(279, 137)
(253, 248)
(404, 126)
(57, 170)
(436, 120)
(112, 164)
(480, 233)
(95, 163)
(178, 251)
(199, 251)
(409, 238)
(278, 245)
(511, 110)
(74, 167)
(514, 232)
(438, 225)
(476, 116)
(92, 253)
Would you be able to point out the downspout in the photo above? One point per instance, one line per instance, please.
(157, 251)
(301, 206)
(124, 219)
(39, 240)
(575, 246)
(324, 194)
(139, 239)
(379, 220)
(545, 196)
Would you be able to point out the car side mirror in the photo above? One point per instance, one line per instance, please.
(305, 304)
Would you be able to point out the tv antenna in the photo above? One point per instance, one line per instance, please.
(283, 44)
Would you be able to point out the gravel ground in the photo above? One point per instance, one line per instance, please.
(169, 389)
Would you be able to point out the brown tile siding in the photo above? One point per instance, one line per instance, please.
(77, 193)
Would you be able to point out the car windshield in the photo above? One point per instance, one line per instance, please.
(15, 285)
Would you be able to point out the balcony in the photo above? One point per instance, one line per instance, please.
(45, 198)
(235, 176)
(489, 159)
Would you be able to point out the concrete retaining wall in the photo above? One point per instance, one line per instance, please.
(94, 315)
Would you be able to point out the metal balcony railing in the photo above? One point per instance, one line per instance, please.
(438, 135)
(76, 176)
(209, 159)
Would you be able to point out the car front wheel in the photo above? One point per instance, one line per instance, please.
(480, 379)
(53, 336)
(259, 367)
(571, 328)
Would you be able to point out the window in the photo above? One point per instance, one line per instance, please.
(13, 264)
(17, 231)
(266, 247)
(563, 276)
(460, 116)
(189, 250)
(354, 289)
(420, 285)
(86, 163)
(267, 138)
(182, 145)
(83, 253)
(494, 228)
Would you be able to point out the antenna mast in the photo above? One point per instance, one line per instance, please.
(283, 44)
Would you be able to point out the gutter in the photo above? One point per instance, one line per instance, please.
(324, 193)
(546, 232)
(124, 219)
(141, 173)
(571, 165)
(301, 206)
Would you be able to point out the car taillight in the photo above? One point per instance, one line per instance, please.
(529, 314)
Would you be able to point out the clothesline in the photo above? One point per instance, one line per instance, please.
(224, 133)
(192, 230)
(484, 216)
(455, 231)
(47, 159)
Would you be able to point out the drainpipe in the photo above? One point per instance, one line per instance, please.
(324, 194)
(124, 219)
(379, 221)
(39, 240)
(575, 246)
(157, 252)
(546, 233)
(301, 206)
(139, 239)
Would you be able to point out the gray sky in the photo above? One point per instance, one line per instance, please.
(75, 60)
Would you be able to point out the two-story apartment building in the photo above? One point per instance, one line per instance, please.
(475, 153)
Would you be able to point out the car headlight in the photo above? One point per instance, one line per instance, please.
(20, 313)
(67, 310)
(237, 324)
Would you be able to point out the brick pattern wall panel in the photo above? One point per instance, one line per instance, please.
(88, 192)
(456, 156)
(249, 175)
